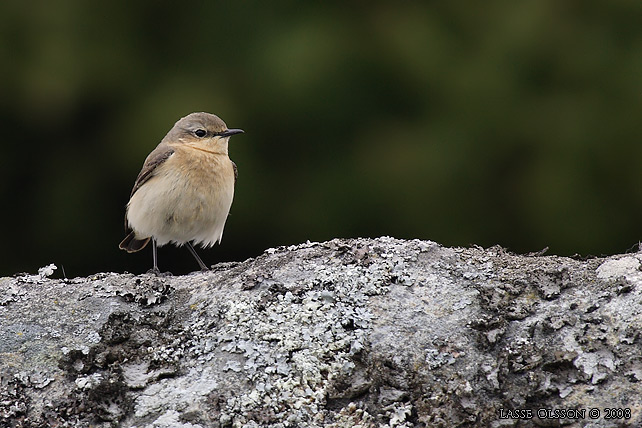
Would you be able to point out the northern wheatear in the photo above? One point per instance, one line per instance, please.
(184, 192)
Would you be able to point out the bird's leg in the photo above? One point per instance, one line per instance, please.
(191, 249)
(155, 269)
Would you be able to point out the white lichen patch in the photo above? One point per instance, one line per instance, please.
(88, 382)
(178, 394)
(628, 267)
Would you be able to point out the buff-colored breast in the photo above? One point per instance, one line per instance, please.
(187, 199)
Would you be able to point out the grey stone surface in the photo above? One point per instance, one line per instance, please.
(346, 333)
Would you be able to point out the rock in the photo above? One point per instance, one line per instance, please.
(347, 333)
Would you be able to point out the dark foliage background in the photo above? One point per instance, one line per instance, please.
(501, 122)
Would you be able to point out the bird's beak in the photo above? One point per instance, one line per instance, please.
(229, 132)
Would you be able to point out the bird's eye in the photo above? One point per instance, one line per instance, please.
(200, 133)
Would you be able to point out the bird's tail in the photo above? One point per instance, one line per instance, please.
(131, 244)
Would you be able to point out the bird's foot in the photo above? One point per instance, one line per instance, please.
(154, 271)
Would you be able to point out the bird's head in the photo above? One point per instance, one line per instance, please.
(203, 130)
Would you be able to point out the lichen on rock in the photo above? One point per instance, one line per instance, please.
(345, 333)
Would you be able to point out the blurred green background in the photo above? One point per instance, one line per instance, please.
(505, 122)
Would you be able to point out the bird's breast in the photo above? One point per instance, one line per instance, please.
(187, 199)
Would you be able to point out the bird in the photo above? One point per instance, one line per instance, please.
(184, 190)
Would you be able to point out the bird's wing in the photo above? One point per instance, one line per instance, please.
(159, 155)
(153, 160)
(236, 171)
